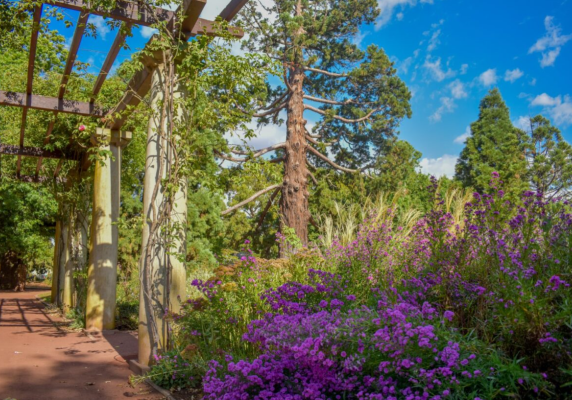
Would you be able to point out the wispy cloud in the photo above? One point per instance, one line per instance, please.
(458, 89)
(441, 166)
(435, 69)
(147, 32)
(559, 108)
(101, 28)
(462, 138)
(387, 9)
(514, 75)
(447, 106)
(489, 77)
(523, 123)
(550, 44)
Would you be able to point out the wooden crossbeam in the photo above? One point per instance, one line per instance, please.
(46, 103)
(126, 11)
(24, 151)
(70, 62)
(109, 60)
(37, 18)
(72, 52)
(37, 179)
(232, 9)
(140, 83)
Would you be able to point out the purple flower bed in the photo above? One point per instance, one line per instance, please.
(476, 310)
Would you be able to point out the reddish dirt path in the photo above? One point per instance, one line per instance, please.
(38, 361)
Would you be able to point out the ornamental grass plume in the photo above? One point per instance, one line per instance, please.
(478, 308)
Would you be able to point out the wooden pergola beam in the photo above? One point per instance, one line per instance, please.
(109, 60)
(47, 103)
(30, 79)
(70, 62)
(125, 11)
(140, 83)
(232, 9)
(72, 52)
(24, 151)
(37, 179)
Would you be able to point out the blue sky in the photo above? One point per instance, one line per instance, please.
(449, 53)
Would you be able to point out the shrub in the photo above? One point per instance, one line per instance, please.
(478, 308)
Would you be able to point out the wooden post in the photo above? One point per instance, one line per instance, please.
(162, 274)
(56, 265)
(102, 266)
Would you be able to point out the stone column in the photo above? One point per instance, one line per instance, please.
(61, 257)
(68, 265)
(102, 265)
(162, 274)
(56, 265)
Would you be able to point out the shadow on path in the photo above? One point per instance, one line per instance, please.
(38, 360)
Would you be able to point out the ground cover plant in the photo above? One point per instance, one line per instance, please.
(480, 308)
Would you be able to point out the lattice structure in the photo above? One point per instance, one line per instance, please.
(130, 13)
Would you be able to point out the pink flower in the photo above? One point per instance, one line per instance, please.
(81, 128)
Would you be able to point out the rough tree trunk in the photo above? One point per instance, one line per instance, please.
(294, 202)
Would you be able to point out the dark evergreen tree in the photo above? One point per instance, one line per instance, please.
(550, 159)
(494, 145)
(355, 94)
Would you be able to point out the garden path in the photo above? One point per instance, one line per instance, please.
(40, 361)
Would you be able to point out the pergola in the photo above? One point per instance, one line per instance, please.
(103, 241)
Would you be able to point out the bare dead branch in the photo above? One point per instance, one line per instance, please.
(326, 159)
(323, 72)
(251, 198)
(364, 118)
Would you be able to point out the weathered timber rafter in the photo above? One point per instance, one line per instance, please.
(34, 152)
(30, 79)
(70, 62)
(126, 11)
(46, 103)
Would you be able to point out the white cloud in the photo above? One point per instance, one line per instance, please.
(512, 76)
(359, 37)
(399, 16)
(545, 100)
(550, 44)
(464, 69)
(147, 32)
(404, 65)
(441, 166)
(458, 89)
(523, 123)
(435, 69)
(387, 8)
(559, 108)
(447, 106)
(462, 138)
(101, 28)
(548, 59)
(434, 41)
(489, 77)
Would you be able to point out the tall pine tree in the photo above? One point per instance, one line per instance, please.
(354, 95)
(494, 145)
(550, 159)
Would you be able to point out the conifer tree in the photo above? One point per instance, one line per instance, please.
(354, 94)
(494, 145)
(550, 159)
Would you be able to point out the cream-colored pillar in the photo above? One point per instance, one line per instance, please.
(56, 265)
(68, 265)
(63, 258)
(102, 265)
(162, 274)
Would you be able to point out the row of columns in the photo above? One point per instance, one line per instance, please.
(166, 285)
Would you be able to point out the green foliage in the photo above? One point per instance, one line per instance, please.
(27, 214)
(494, 145)
(550, 159)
